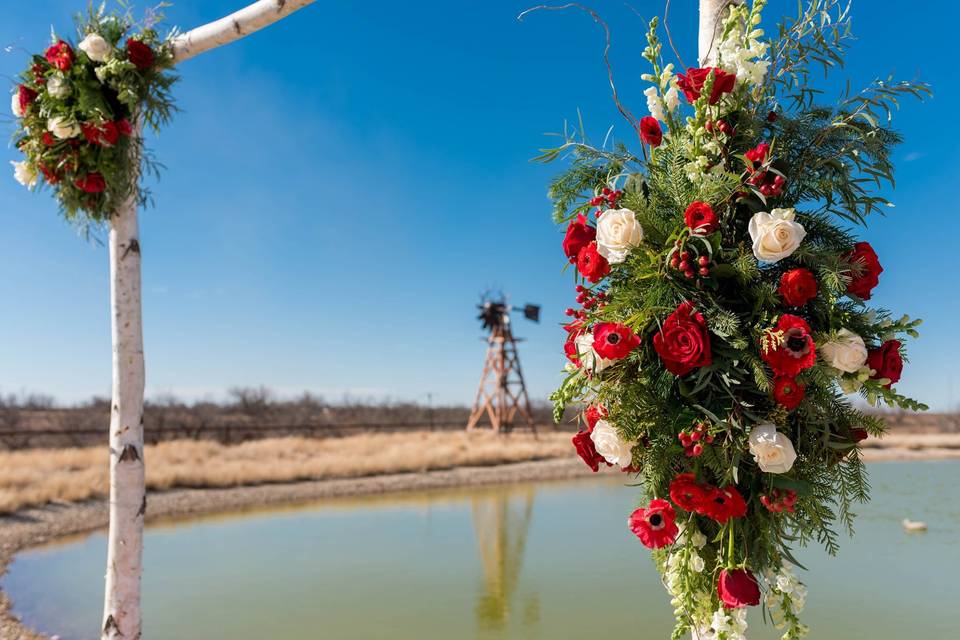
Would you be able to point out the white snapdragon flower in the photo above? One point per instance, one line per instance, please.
(771, 449)
(609, 444)
(847, 352)
(62, 128)
(25, 173)
(654, 103)
(617, 233)
(96, 47)
(775, 235)
(672, 97)
(58, 87)
(696, 563)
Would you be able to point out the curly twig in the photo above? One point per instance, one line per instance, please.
(666, 27)
(606, 53)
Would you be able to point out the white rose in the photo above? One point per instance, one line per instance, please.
(589, 358)
(846, 352)
(58, 87)
(775, 235)
(609, 444)
(15, 104)
(772, 450)
(617, 232)
(63, 128)
(96, 48)
(25, 173)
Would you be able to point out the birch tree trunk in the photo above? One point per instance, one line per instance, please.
(711, 22)
(128, 497)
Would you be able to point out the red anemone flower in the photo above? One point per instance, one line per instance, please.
(656, 525)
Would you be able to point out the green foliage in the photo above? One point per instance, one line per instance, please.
(91, 161)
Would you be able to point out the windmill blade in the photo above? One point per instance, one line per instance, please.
(532, 312)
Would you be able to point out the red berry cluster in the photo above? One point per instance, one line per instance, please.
(608, 196)
(694, 439)
(778, 501)
(589, 300)
(722, 126)
(768, 183)
(681, 261)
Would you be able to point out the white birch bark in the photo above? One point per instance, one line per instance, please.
(234, 26)
(128, 498)
(711, 22)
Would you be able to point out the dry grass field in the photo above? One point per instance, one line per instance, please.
(40, 476)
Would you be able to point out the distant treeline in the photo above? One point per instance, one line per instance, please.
(248, 413)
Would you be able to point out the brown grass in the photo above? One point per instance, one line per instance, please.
(39, 476)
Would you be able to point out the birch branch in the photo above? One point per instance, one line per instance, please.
(233, 27)
(711, 22)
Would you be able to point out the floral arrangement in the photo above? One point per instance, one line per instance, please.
(724, 316)
(80, 109)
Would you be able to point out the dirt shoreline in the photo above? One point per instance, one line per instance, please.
(35, 526)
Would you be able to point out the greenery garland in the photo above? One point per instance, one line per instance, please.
(722, 327)
(80, 109)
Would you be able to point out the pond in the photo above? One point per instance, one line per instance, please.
(552, 560)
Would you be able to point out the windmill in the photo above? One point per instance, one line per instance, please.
(502, 393)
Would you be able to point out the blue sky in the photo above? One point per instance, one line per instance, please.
(342, 186)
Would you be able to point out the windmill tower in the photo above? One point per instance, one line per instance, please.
(503, 393)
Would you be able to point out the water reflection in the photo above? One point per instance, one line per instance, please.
(523, 562)
(501, 523)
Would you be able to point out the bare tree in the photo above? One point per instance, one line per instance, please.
(128, 498)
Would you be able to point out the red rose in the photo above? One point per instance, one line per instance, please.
(687, 493)
(104, 134)
(25, 97)
(579, 234)
(91, 183)
(587, 451)
(650, 131)
(656, 525)
(738, 588)
(700, 216)
(140, 54)
(614, 341)
(866, 274)
(798, 287)
(788, 392)
(60, 55)
(886, 361)
(591, 265)
(48, 139)
(758, 155)
(691, 83)
(795, 350)
(683, 342)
